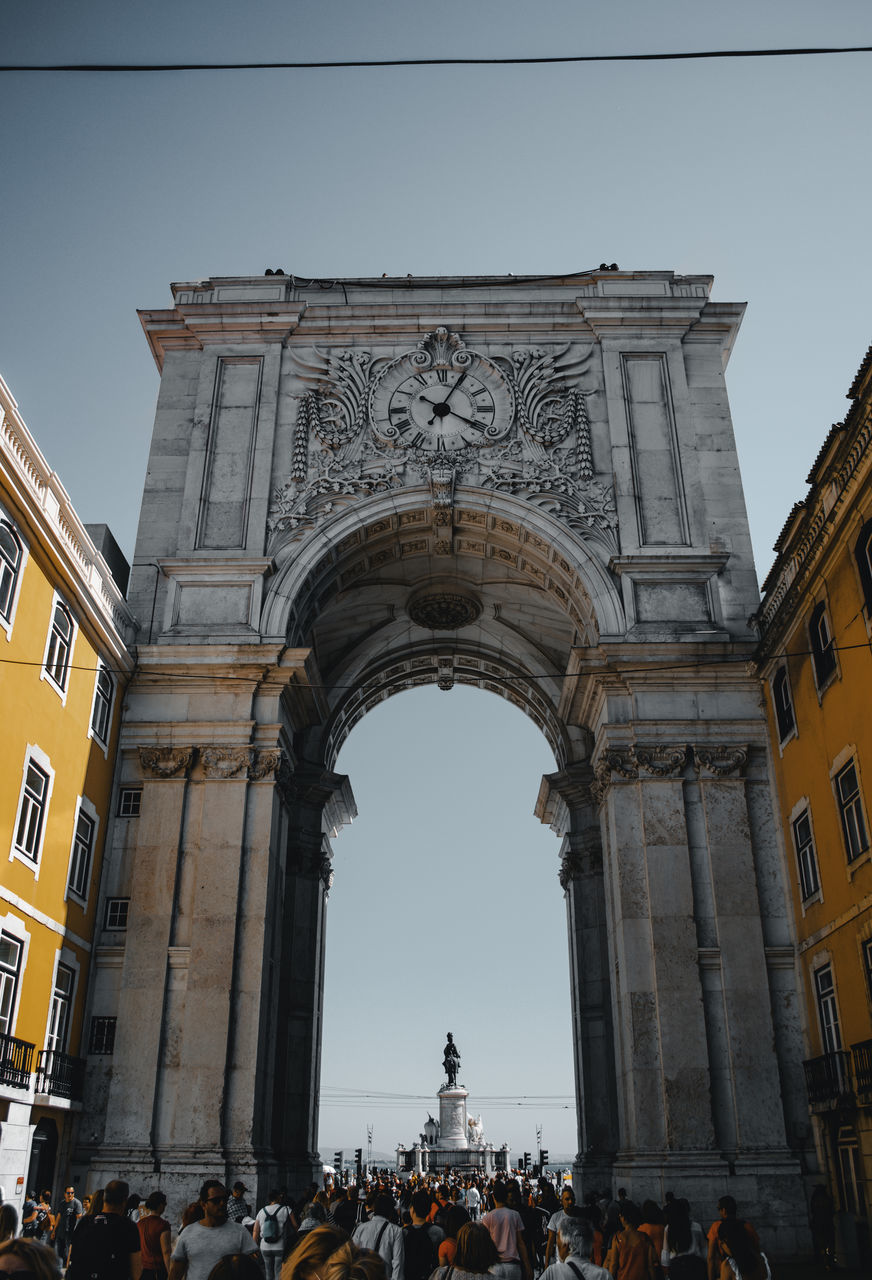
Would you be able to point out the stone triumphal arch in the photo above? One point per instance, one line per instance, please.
(526, 485)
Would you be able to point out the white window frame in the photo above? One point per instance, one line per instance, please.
(61, 690)
(15, 928)
(38, 757)
(115, 928)
(121, 793)
(7, 622)
(825, 962)
(845, 757)
(792, 732)
(103, 743)
(66, 958)
(84, 806)
(822, 609)
(803, 809)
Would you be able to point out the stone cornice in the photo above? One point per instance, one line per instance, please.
(227, 323)
(814, 527)
(49, 518)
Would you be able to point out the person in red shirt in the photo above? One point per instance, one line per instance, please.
(154, 1235)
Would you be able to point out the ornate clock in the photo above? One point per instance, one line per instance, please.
(441, 398)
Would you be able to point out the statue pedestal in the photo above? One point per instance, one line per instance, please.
(453, 1132)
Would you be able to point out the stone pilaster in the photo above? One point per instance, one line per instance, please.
(663, 1062)
(306, 793)
(565, 799)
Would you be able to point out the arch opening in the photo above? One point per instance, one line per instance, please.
(446, 913)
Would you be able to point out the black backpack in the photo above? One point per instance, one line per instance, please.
(421, 1257)
(99, 1251)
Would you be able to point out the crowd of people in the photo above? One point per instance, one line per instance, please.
(460, 1228)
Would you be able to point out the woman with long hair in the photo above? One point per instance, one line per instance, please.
(312, 1251)
(631, 1253)
(8, 1222)
(742, 1259)
(475, 1255)
(37, 1261)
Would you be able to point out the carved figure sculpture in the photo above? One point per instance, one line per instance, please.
(476, 1131)
(451, 1061)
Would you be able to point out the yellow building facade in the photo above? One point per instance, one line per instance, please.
(64, 663)
(816, 660)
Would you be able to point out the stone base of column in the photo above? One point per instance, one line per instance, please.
(453, 1132)
(591, 1173)
(766, 1185)
(179, 1171)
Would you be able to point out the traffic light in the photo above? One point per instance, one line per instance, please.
(358, 1157)
(543, 1158)
(527, 1163)
(337, 1160)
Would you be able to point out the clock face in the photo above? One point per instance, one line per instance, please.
(442, 408)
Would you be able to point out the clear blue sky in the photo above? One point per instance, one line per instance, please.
(755, 172)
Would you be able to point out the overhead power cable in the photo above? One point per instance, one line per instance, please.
(339, 63)
(713, 660)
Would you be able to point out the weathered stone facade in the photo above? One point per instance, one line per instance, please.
(527, 485)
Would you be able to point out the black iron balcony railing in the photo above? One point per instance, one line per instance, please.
(59, 1074)
(16, 1060)
(828, 1079)
(862, 1055)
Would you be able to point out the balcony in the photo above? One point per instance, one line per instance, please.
(828, 1081)
(862, 1055)
(16, 1060)
(60, 1075)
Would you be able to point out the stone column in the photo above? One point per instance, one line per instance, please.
(299, 1009)
(749, 1115)
(661, 1040)
(565, 801)
(127, 1144)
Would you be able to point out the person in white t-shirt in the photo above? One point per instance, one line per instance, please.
(270, 1228)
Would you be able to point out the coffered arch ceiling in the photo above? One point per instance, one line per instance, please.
(494, 599)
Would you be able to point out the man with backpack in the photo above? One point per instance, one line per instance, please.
(106, 1245)
(382, 1234)
(421, 1240)
(269, 1232)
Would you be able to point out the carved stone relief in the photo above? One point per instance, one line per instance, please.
(666, 760)
(166, 762)
(225, 762)
(720, 761)
(349, 441)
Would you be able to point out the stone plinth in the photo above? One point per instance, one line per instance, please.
(452, 1117)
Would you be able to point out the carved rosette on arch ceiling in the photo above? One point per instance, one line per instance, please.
(515, 424)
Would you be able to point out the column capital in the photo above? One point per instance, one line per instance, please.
(166, 762)
(725, 760)
(579, 861)
(638, 762)
(225, 762)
